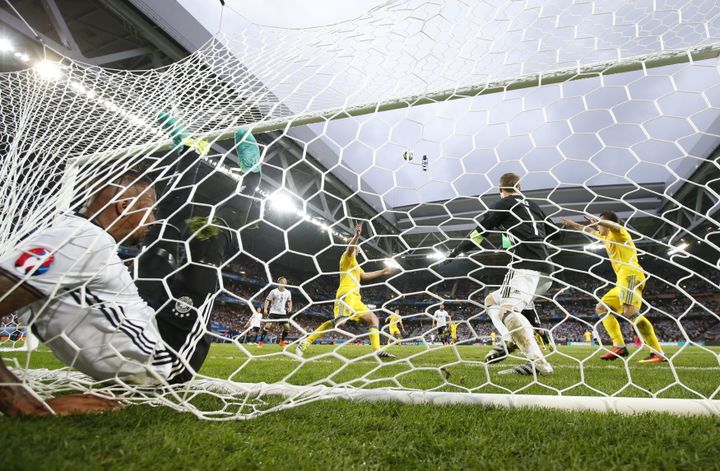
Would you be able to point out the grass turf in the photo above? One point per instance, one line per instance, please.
(334, 434)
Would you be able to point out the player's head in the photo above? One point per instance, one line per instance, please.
(282, 281)
(509, 184)
(124, 207)
(607, 216)
(442, 306)
(397, 311)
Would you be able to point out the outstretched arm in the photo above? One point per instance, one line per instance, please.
(371, 275)
(351, 249)
(580, 227)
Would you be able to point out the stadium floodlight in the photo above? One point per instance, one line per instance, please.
(48, 70)
(6, 45)
(436, 255)
(389, 262)
(680, 248)
(24, 58)
(594, 246)
(282, 202)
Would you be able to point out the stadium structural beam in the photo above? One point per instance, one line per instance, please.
(61, 28)
(144, 28)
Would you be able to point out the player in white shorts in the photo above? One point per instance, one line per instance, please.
(525, 223)
(440, 321)
(278, 305)
(253, 325)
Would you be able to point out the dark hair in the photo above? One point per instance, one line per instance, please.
(509, 182)
(133, 177)
(610, 216)
(282, 278)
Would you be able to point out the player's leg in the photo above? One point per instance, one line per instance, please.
(363, 314)
(518, 293)
(611, 301)
(324, 328)
(632, 302)
(285, 326)
(503, 345)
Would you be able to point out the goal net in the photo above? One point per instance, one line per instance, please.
(267, 146)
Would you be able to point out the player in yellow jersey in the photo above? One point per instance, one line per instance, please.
(393, 321)
(493, 337)
(453, 332)
(348, 303)
(588, 336)
(626, 297)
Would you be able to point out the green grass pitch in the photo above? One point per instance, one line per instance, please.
(334, 434)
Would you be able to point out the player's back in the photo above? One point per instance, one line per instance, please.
(350, 275)
(527, 230)
(622, 251)
(95, 311)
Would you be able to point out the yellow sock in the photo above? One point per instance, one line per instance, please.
(613, 328)
(374, 337)
(323, 329)
(647, 333)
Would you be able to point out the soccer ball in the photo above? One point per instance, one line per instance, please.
(408, 155)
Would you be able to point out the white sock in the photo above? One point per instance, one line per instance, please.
(524, 336)
(494, 313)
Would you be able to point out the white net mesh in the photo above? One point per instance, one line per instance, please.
(403, 119)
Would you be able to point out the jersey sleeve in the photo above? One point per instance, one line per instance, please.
(495, 215)
(51, 262)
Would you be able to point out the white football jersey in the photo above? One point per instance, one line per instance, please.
(255, 319)
(92, 318)
(441, 318)
(278, 301)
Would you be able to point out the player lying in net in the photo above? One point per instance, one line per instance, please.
(348, 302)
(87, 310)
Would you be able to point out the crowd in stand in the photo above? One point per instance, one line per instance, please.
(569, 311)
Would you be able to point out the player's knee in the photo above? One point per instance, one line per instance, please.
(505, 310)
(489, 300)
(600, 309)
(371, 318)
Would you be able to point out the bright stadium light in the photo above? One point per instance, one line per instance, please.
(436, 255)
(680, 248)
(48, 70)
(392, 263)
(594, 246)
(6, 45)
(282, 203)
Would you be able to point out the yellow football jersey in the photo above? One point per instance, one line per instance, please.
(588, 336)
(453, 329)
(621, 250)
(350, 273)
(394, 320)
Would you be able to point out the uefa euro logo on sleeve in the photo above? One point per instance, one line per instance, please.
(35, 261)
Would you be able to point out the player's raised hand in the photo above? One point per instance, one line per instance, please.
(591, 220)
(358, 229)
(568, 222)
